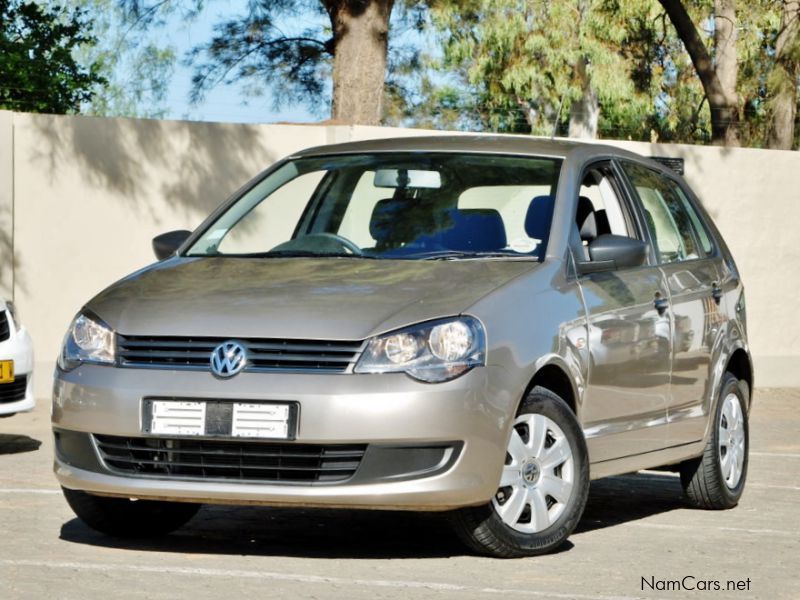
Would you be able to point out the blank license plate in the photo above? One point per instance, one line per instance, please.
(6, 371)
(258, 420)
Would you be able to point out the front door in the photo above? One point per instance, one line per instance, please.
(624, 410)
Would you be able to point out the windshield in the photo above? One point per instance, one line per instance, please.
(392, 206)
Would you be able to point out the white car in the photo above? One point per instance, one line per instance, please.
(16, 364)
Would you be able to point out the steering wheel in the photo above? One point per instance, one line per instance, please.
(322, 242)
(349, 246)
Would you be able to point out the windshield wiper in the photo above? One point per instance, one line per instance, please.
(464, 254)
(292, 254)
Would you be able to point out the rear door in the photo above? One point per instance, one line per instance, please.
(690, 264)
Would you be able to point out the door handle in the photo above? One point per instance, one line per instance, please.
(716, 292)
(661, 303)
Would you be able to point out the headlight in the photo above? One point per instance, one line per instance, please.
(431, 352)
(12, 310)
(88, 340)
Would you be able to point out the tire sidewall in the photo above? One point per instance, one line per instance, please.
(543, 402)
(731, 385)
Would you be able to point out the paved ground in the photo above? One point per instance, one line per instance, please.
(635, 527)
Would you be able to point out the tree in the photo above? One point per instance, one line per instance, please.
(783, 79)
(718, 75)
(38, 72)
(350, 43)
(527, 64)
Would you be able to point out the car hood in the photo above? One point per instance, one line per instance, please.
(332, 298)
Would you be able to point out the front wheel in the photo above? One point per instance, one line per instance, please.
(716, 479)
(121, 517)
(543, 487)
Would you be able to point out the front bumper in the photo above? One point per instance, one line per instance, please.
(470, 415)
(19, 348)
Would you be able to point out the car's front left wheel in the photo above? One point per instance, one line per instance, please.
(122, 517)
(543, 487)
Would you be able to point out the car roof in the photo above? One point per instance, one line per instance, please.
(492, 144)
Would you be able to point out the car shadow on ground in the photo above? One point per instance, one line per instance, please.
(17, 444)
(322, 533)
(618, 500)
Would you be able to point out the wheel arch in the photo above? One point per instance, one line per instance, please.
(741, 366)
(555, 377)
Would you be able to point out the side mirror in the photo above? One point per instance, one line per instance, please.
(610, 252)
(166, 244)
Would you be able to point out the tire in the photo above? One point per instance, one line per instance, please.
(708, 481)
(560, 467)
(121, 517)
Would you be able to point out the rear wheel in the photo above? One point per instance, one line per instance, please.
(543, 487)
(122, 517)
(716, 479)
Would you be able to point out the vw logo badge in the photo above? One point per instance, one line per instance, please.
(228, 359)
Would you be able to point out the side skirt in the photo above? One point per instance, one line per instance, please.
(648, 460)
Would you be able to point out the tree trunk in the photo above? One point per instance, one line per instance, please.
(727, 66)
(722, 100)
(361, 34)
(585, 113)
(783, 79)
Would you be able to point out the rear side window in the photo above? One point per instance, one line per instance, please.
(697, 224)
(674, 225)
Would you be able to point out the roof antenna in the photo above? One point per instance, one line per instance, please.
(558, 118)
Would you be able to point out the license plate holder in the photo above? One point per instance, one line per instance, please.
(7, 371)
(230, 419)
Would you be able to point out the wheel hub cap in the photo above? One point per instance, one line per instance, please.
(531, 472)
(732, 449)
(537, 480)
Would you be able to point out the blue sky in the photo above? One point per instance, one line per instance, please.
(227, 103)
(223, 103)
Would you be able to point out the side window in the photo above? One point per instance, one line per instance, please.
(666, 214)
(702, 233)
(599, 208)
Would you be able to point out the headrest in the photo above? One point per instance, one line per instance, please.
(385, 212)
(475, 230)
(538, 217)
(586, 220)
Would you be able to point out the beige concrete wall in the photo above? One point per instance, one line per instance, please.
(6, 206)
(88, 194)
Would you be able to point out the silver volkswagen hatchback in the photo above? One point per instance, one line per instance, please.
(476, 325)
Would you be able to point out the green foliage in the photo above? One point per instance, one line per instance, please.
(131, 55)
(519, 59)
(259, 50)
(38, 69)
(513, 65)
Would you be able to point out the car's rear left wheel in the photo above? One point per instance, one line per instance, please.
(543, 487)
(122, 517)
(716, 479)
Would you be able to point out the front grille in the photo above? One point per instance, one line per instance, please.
(14, 391)
(5, 330)
(262, 354)
(230, 460)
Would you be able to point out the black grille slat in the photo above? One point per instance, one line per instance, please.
(14, 391)
(5, 328)
(263, 354)
(131, 446)
(230, 460)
